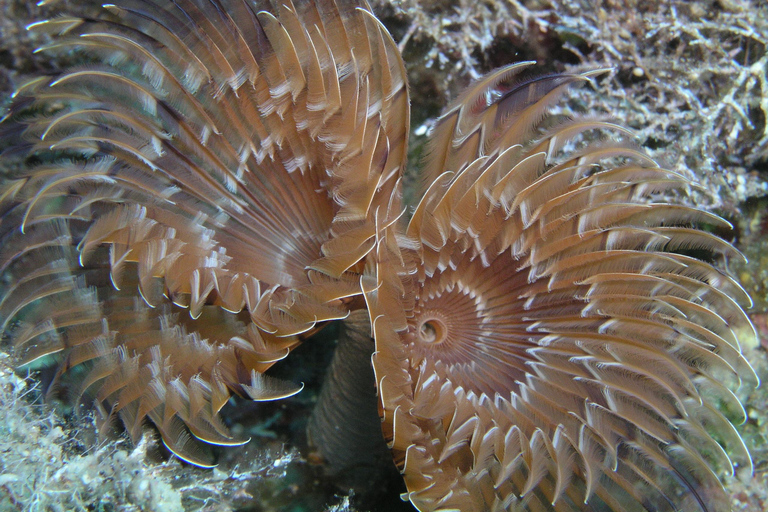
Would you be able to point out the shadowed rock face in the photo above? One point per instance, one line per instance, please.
(551, 332)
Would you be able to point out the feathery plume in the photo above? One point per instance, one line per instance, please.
(212, 155)
(562, 348)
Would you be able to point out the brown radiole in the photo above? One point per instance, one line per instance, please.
(561, 350)
(203, 197)
(553, 328)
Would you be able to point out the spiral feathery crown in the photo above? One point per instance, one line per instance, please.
(551, 331)
(214, 157)
(560, 351)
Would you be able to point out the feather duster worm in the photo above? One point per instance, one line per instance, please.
(221, 180)
(214, 157)
(561, 351)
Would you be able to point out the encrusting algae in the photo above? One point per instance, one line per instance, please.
(553, 328)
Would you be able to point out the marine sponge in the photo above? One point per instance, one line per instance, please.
(552, 330)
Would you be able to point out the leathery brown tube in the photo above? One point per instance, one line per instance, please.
(550, 327)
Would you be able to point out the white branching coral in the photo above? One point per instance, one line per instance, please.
(690, 77)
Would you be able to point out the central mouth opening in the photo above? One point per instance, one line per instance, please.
(433, 331)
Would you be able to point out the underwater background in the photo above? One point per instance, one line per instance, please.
(689, 78)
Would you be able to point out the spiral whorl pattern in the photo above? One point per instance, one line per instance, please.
(562, 350)
(209, 155)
